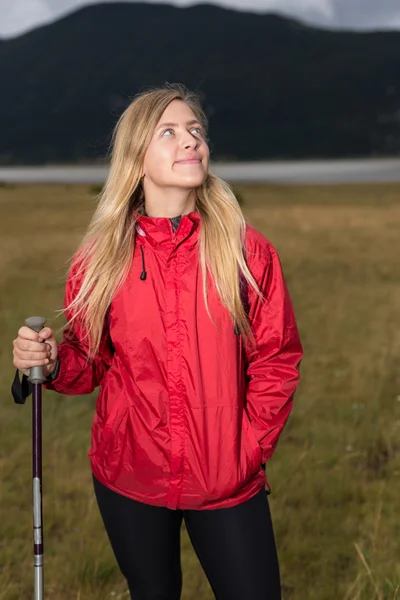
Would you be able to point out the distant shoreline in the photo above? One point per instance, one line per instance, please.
(386, 170)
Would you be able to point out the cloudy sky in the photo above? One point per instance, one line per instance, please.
(17, 16)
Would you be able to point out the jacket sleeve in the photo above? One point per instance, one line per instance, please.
(77, 375)
(273, 367)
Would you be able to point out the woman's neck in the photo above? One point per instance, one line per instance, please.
(169, 205)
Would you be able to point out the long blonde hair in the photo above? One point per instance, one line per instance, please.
(106, 250)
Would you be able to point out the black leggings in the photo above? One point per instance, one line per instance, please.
(235, 546)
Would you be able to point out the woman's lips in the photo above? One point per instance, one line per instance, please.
(189, 161)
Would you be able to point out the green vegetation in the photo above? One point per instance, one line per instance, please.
(335, 476)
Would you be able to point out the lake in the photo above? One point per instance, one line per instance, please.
(288, 172)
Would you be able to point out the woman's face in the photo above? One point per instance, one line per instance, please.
(177, 156)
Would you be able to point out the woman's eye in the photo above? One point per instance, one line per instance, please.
(168, 132)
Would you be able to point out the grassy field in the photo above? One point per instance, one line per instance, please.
(335, 476)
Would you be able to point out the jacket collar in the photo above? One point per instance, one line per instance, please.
(158, 231)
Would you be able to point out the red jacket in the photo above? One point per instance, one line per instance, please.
(183, 420)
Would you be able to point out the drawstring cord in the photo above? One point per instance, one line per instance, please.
(143, 274)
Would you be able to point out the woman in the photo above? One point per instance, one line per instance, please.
(197, 366)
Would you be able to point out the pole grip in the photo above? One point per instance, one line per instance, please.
(36, 373)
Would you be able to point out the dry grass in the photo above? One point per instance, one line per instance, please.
(336, 474)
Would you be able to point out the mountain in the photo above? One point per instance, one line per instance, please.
(272, 88)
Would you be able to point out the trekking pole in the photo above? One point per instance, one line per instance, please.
(36, 377)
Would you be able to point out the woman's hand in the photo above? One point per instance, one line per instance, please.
(29, 351)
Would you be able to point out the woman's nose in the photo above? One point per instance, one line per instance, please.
(189, 141)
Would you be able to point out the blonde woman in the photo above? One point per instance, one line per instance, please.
(178, 309)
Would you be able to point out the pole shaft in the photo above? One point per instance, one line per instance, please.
(37, 490)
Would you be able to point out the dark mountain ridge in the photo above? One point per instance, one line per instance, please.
(272, 87)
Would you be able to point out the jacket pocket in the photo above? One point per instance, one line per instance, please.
(254, 448)
(104, 434)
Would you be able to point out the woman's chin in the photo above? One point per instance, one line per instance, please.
(192, 181)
